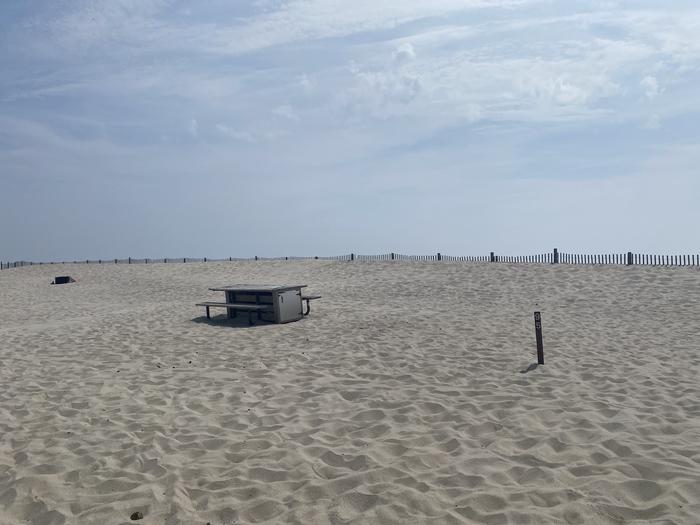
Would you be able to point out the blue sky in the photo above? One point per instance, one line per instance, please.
(152, 128)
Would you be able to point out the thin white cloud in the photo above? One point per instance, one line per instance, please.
(193, 128)
(305, 20)
(235, 134)
(286, 111)
(650, 85)
(404, 53)
(494, 65)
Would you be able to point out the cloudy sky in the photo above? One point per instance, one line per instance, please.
(151, 128)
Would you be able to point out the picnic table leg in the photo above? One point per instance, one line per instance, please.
(308, 307)
(257, 301)
(231, 298)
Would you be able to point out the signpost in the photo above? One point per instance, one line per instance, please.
(538, 336)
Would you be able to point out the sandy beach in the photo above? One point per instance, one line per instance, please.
(401, 399)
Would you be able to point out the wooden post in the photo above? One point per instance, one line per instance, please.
(630, 261)
(493, 257)
(538, 338)
(205, 259)
(392, 256)
(256, 257)
(556, 256)
(439, 257)
(352, 256)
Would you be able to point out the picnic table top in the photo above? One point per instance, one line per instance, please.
(258, 288)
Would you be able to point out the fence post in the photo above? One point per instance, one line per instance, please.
(439, 257)
(129, 260)
(392, 256)
(538, 338)
(256, 257)
(630, 260)
(556, 256)
(493, 257)
(352, 256)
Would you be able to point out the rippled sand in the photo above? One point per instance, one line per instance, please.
(399, 400)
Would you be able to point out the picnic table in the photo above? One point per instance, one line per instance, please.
(268, 302)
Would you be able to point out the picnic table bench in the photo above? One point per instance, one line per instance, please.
(250, 308)
(308, 298)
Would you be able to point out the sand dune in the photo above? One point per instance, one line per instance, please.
(401, 399)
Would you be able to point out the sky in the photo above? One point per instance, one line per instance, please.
(217, 128)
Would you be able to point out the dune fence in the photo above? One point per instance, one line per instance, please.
(554, 257)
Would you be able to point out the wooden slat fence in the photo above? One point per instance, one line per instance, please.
(555, 257)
